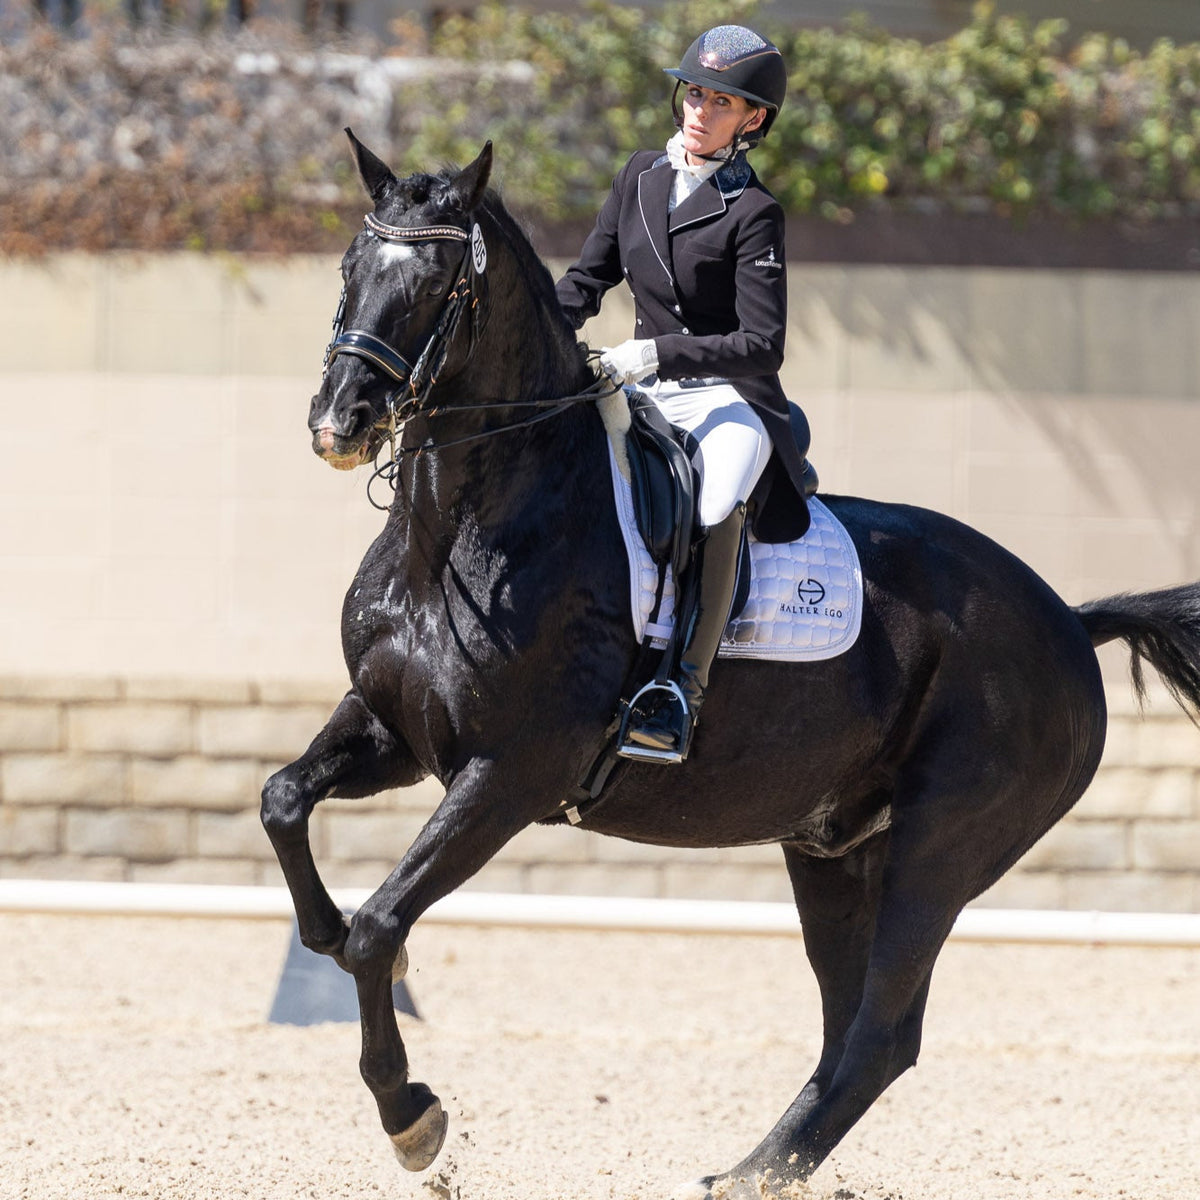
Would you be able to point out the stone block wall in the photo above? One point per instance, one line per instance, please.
(185, 529)
(158, 781)
(179, 561)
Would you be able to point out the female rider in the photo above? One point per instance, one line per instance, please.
(699, 241)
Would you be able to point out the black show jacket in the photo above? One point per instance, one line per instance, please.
(709, 284)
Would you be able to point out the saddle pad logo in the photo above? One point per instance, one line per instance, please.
(810, 591)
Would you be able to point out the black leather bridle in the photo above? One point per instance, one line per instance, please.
(417, 379)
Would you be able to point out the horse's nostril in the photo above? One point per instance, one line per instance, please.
(319, 411)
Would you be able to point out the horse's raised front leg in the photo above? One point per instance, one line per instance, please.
(353, 755)
(485, 805)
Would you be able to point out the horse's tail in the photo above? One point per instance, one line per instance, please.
(1162, 629)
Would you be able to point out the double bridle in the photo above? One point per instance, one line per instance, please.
(418, 379)
(415, 381)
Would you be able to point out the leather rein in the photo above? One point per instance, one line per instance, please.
(415, 381)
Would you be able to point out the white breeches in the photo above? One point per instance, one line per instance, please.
(734, 447)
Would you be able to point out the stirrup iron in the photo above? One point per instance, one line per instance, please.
(643, 703)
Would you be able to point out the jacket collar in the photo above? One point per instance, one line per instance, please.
(730, 180)
(710, 199)
(733, 177)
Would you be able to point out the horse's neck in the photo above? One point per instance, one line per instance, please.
(525, 352)
(510, 477)
(530, 340)
(496, 474)
(526, 336)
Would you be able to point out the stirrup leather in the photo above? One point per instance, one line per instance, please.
(646, 701)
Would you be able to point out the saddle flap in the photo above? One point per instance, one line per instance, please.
(663, 483)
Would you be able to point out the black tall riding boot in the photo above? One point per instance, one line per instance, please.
(715, 566)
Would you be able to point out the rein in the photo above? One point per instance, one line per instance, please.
(389, 471)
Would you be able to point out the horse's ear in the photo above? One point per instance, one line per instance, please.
(467, 187)
(376, 174)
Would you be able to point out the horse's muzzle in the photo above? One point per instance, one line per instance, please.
(342, 439)
(343, 454)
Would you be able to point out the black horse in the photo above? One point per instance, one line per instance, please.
(488, 639)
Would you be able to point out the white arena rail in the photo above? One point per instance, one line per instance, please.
(582, 912)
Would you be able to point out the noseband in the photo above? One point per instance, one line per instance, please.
(418, 378)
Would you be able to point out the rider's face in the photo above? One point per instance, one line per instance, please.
(711, 119)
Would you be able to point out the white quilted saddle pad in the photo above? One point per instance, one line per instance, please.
(805, 598)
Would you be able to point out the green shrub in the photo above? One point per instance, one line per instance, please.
(234, 142)
(1001, 115)
(595, 93)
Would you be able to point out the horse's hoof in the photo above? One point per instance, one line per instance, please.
(749, 1186)
(740, 1187)
(400, 966)
(418, 1145)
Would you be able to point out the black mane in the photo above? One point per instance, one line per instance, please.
(535, 273)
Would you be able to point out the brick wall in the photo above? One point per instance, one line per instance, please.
(158, 781)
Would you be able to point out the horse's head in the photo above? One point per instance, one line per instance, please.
(408, 308)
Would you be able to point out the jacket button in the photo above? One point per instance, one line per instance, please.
(685, 329)
(639, 320)
(676, 308)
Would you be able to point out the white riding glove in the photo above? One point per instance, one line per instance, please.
(630, 361)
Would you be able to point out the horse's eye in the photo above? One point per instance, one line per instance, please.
(436, 288)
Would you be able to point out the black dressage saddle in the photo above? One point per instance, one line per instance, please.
(666, 487)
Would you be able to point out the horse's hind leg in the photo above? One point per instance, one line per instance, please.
(353, 755)
(837, 899)
(940, 852)
(873, 1016)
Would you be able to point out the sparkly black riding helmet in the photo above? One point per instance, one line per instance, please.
(735, 60)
